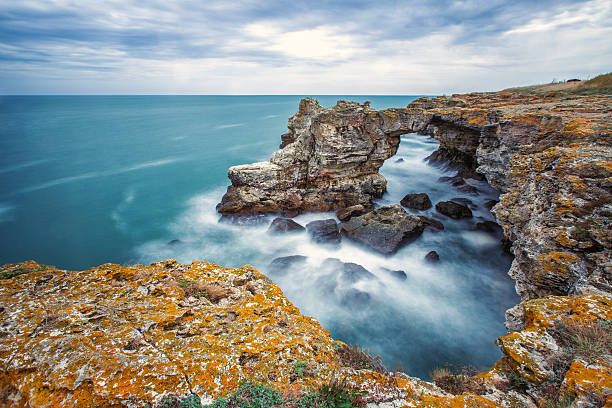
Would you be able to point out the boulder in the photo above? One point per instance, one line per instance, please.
(284, 225)
(324, 231)
(349, 212)
(416, 201)
(465, 201)
(385, 229)
(432, 256)
(453, 210)
(490, 204)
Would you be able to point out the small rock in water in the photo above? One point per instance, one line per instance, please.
(396, 274)
(416, 201)
(453, 210)
(324, 231)
(399, 160)
(175, 242)
(431, 223)
(465, 201)
(385, 229)
(280, 266)
(284, 225)
(488, 226)
(355, 297)
(347, 213)
(350, 272)
(432, 256)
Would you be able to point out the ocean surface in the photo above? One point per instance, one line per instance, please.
(86, 180)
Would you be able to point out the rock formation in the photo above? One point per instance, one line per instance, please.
(328, 160)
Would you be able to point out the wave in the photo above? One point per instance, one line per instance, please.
(95, 174)
(231, 125)
(270, 116)
(5, 212)
(23, 165)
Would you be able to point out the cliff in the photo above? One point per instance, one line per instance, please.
(114, 336)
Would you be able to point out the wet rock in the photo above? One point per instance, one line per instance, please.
(431, 223)
(280, 266)
(284, 225)
(432, 256)
(400, 160)
(385, 229)
(453, 210)
(465, 201)
(349, 272)
(324, 231)
(401, 275)
(490, 227)
(416, 201)
(349, 212)
(175, 242)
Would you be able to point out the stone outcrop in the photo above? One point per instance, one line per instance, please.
(328, 160)
(115, 336)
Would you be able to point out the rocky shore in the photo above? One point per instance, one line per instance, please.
(114, 336)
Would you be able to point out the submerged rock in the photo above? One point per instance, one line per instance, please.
(281, 266)
(355, 298)
(416, 201)
(349, 272)
(401, 275)
(284, 225)
(324, 231)
(385, 229)
(453, 210)
(431, 223)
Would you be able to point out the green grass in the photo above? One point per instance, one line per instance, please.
(13, 273)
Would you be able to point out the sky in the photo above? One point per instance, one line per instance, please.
(298, 47)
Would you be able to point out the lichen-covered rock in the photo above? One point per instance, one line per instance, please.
(115, 336)
(385, 229)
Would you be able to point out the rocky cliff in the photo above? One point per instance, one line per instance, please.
(114, 336)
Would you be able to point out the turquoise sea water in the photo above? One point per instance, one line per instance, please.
(86, 180)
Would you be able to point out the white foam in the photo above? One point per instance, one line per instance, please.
(230, 125)
(95, 174)
(6, 212)
(23, 165)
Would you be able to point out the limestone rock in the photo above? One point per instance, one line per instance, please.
(328, 160)
(385, 229)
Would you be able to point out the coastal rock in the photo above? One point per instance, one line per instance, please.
(431, 223)
(453, 210)
(347, 213)
(416, 201)
(432, 256)
(385, 229)
(401, 275)
(324, 231)
(284, 225)
(349, 272)
(328, 160)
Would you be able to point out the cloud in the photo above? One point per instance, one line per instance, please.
(129, 46)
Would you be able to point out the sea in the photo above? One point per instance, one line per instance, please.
(87, 180)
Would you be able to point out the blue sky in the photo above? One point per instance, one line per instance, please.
(298, 47)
